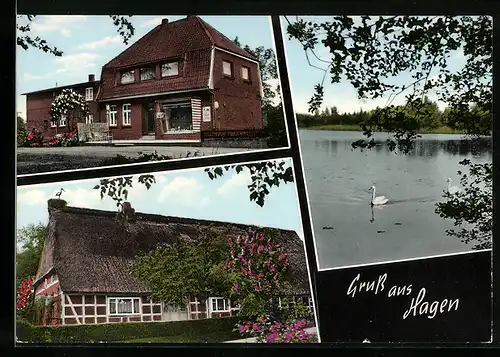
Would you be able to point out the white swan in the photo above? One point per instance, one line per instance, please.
(452, 189)
(380, 200)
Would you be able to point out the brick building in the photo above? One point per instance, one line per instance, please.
(181, 78)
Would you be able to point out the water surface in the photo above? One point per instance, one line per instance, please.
(347, 230)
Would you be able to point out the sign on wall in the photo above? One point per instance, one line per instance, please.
(206, 113)
(441, 299)
(160, 115)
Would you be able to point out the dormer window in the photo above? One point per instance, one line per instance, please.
(170, 69)
(147, 73)
(127, 77)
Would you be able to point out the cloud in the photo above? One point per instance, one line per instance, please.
(29, 76)
(106, 41)
(152, 22)
(235, 184)
(61, 23)
(32, 197)
(76, 63)
(184, 191)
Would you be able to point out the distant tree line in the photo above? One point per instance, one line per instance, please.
(428, 116)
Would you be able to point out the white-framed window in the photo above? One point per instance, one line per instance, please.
(126, 110)
(89, 94)
(170, 69)
(245, 73)
(218, 304)
(227, 68)
(53, 124)
(62, 121)
(89, 119)
(147, 73)
(124, 306)
(174, 308)
(112, 115)
(127, 77)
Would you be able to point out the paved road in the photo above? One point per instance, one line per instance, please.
(35, 160)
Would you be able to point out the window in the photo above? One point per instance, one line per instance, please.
(89, 94)
(170, 69)
(219, 305)
(174, 308)
(89, 119)
(62, 121)
(245, 73)
(126, 114)
(127, 77)
(227, 68)
(177, 116)
(112, 115)
(53, 124)
(124, 306)
(147, 73)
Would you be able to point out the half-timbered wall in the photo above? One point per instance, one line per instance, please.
(95, 309)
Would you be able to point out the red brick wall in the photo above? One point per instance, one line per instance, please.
(124, 132)
(239, 100)
(38, 106)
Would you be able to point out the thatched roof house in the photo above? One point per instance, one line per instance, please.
(87, 253)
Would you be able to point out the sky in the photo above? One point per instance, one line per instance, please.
(184, 193)
(89, 42)
(342, 95)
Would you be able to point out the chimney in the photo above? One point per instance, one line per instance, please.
(164, 21)
(91, 77)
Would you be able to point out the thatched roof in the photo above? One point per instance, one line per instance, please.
(90, 250)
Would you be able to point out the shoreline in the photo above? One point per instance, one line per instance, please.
(441, 130)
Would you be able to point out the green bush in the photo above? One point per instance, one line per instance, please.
(219, 329)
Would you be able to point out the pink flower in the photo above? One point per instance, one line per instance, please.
(282, 256)
(235, 287)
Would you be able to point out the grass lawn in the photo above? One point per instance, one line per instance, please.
(341, 127)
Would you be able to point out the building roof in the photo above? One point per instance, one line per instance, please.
(90, 250)
(82, 84)
(173, 39)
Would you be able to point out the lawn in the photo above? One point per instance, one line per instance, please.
(184, 339)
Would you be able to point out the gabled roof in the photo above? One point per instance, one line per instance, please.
(90, 250)
(173, 39)
(68, 86)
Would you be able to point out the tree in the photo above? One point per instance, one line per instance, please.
(68, 104)
(369, 53)
(185, 269)
(30, 239)
(23, 25)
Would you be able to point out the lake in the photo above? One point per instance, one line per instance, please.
(347, 230)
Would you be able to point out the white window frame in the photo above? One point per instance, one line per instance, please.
(89, 94)
(53, 124)
(89, 119)
(243, 68)
(172, 65)
(115, 300)
(132, 72)
(62, 121)
(230, 74)
(227, 305)
(127, 114)
(112, 113)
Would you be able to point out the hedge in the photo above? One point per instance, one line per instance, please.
(218, 329)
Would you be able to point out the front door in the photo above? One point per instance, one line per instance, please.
(148, 119)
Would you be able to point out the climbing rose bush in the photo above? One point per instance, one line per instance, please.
(67, 102)
(256, 264)
(267, 331)
(25, 295)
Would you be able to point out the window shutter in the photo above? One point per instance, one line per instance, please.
(196, 113)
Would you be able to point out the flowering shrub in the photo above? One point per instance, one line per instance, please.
(267, 331)
(67, 102)
(33, 139)
(25, 295)
(255, 263)
(55, 141)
